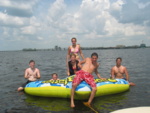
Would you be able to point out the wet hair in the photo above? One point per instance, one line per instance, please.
(31, 61)
(118, 59)
(72, 55)
(74, 39)
(94, 54)
(54, 74)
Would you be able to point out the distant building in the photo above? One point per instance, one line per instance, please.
(120, 46)
(143, 45)
(57, 48)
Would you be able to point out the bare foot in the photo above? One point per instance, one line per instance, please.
(87, 104)
(72, 105)
(131, 84)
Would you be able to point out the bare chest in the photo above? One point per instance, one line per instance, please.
(119, 70)
(32, 71)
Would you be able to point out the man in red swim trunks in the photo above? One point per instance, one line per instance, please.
(90, 66)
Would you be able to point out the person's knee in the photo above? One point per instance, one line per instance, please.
(94, 89)
(74, 85)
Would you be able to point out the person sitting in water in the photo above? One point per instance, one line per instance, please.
(119, 70)
(72, 65)
(54, 76)
(85, 74)
(31, 73)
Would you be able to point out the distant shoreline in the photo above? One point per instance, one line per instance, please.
(93, 48)
(83, 48)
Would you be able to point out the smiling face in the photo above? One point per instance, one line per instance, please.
(73, 40)
(73, 58)
(32, 65)
(94, 59)
(118, 61)
(55, 77)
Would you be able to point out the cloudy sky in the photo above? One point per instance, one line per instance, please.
(95, 23)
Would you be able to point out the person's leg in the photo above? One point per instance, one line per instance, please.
(131, 84)
(23, 86)
(77, 79)
(90, 80)
(94, 89)
(72, 94)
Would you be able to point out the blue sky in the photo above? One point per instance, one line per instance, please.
(95, 23)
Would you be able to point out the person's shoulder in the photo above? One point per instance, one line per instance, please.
(27, 69)
(69, 47)
(69, 62)
(78, 45)
(88, 58)
(123, 67)
(37, 69)
(113, 67)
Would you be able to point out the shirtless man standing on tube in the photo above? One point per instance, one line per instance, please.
(90, 66)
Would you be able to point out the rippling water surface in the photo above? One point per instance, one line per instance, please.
(13, 64)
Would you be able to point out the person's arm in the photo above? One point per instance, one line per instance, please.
(67, 59)
(112, 73)
(81, 62)
(68, 70)
(97, 73)
(68, 73)
(26, 74)
(81, 54)
(78, 68)
(127, 75)
(38, 74)
(68, 55)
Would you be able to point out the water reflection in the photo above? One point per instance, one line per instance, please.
(110, 102)
(102, 104)
(51, 104)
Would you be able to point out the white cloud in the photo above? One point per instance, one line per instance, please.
(56, 10)
(40, 38)
(114, 28)
(117, 5)
(92, 21)
(18, 8)
(7, 20)
(28, 30)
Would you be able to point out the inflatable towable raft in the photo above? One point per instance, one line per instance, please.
(62, 88)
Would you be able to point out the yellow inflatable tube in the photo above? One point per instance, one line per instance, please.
(83, 91)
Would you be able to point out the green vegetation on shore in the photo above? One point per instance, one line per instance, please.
(57, 48)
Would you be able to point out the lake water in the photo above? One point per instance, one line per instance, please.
(14, 63)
